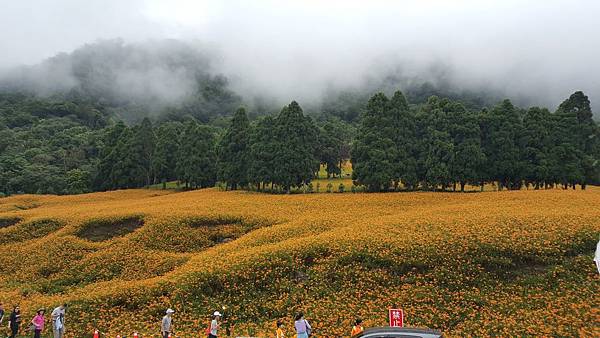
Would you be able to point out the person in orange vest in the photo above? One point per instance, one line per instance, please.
(357, 328)
(280, 333)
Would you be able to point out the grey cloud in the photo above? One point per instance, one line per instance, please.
(537, 52)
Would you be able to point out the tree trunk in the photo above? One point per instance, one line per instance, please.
(454, 187)
(462, 186)
(583, 185)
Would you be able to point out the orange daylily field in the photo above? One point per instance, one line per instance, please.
(512, 263)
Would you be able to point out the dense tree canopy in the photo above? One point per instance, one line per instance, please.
(53, 145)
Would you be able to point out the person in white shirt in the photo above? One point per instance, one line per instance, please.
(58, 321)
(214, 325)
(166, 326)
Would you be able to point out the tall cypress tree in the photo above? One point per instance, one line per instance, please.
(374, 151)
(263, 146)
(577, 140)
(297, 139)
(503, 157)
(233, 151)
(330, 149)
(109, 157)
(403, 134)
(123, 172)
(537, 124)
(196, 165)
(468, 157)
(438, 147)
(141, 152)
(165, 153)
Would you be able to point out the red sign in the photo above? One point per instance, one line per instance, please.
(396, 318)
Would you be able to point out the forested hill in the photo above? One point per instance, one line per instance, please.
(48, 145)
(59, 146)
(112, 115)
(170, 79)
(132, 81)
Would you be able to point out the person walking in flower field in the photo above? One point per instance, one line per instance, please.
(357, 328)
(14, 321)
(214, 325)
(279, 332)
(303, 328)
(166, 326)
(38, 323)
(58, 320)
(1, 317)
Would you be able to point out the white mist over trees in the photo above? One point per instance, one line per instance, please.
(534, 53)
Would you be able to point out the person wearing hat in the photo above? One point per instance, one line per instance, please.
(166, 325)
(38, 323)
(58, 320)
(214, 325)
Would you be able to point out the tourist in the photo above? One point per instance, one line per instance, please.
(38, 323)
(14, 321)
(166, 327)
(357, 328)
(280, 333)
(303, 328)
(214, 325)
(58, 320)
(1, 314)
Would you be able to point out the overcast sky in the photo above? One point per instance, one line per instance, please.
(547, 46)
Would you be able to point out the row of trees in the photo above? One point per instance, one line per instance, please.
(283, 151)
(443, 145)
(65, 147)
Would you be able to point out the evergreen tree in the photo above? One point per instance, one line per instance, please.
(502, 150)
(233, 151)
(123, 171)
(576, 133)
(165, 153)
(263, 145)
(438, 148)
(330, 149)
(297, 140)
(196, 165)
(403, 134)
(537, 124)
(142, 152)
(104, 178)
(374, 150)
(468, 157)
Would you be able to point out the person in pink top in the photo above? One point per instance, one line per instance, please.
(38, 323)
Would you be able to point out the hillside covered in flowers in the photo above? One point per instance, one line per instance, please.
(510, 263)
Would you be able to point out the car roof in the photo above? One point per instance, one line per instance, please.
(400, 332)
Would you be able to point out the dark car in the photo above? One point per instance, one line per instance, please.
(399, 332)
